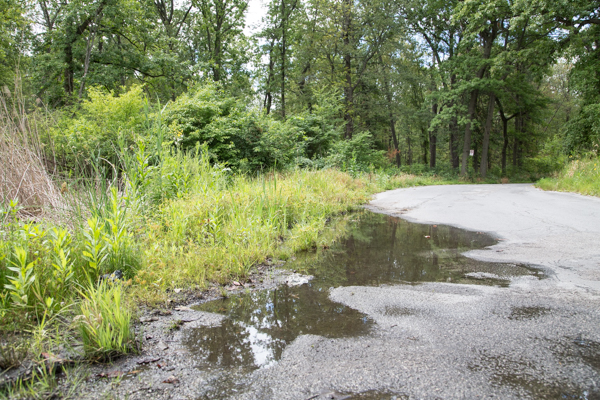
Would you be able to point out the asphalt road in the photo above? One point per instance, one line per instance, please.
(535, 339)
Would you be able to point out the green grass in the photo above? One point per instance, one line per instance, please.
(104, 322)
(579, 176)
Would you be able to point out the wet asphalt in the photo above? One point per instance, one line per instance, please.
(537, 339)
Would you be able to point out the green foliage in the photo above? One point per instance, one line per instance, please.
(105, 122)
(189, 118)
(104, 323)
(582, 133)
(356, 155)
(580, 176)
(242, 139)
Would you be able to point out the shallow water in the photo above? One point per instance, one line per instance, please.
(375, 249)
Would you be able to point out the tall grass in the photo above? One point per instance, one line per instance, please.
(579, 176)
(23, 176)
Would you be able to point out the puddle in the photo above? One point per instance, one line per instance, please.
(375, 249)
(380, 249)
(260, 324)
(523, 313)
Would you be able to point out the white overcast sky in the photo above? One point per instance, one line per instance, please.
(256, 10)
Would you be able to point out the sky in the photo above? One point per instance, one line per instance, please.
(256, 10)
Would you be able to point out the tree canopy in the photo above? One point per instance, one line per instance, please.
(468, 86)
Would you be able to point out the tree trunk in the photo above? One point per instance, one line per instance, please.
(348, 88)
(505, 144)
(433, 141)
(409, 153)
(453, 135)
(425, 145)
(283, 49)
(395, 139)
(486, 136)
(388, 96)
(268, 95)
(467, 140)
(453, 143)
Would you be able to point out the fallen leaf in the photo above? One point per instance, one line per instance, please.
(177, 290)
(236, 283)
(172, 380)
(182, 308)
(163, 346)
(53, 358)
(148, 360)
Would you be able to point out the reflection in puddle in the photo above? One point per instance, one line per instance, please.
(262, 323)
(375, 249)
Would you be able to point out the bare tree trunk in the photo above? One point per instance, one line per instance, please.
(348, 88)
(505, 144)
(388, 96)
(409, 153)
(268, 94)
(486, 136)
(453, 136)
(395, 139)
(425, 144)
(453, 143)
(283, 48)
(467, 141)
(433, 141)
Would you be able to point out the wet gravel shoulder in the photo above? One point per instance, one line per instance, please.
(164, 368)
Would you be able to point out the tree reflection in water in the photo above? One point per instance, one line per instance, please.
(262, 323)
(375, 249)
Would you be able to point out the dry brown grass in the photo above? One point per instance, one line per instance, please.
(23, 175)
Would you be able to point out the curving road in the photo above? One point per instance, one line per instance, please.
(535, 339)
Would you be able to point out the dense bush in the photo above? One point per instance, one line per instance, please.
(582, 133)
(104, 123)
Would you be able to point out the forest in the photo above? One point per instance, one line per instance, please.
(154, 150)
(415, 84)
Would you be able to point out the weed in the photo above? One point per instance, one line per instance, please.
(104, 323)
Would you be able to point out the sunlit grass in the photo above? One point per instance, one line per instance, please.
(579, 176)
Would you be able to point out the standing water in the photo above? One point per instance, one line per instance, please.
(375, 249)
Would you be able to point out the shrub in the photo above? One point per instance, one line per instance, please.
(104, 123)
(356, 155)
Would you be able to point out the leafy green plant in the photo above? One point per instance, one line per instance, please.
(104, 323)
(94, 247)
(63, 273)
(117, 236)
(21, 282)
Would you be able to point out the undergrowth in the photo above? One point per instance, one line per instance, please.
(579, 176)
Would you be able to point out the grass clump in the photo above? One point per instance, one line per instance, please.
(579, 176)
(104, 322)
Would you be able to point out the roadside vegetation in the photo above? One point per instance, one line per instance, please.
(579, 176)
